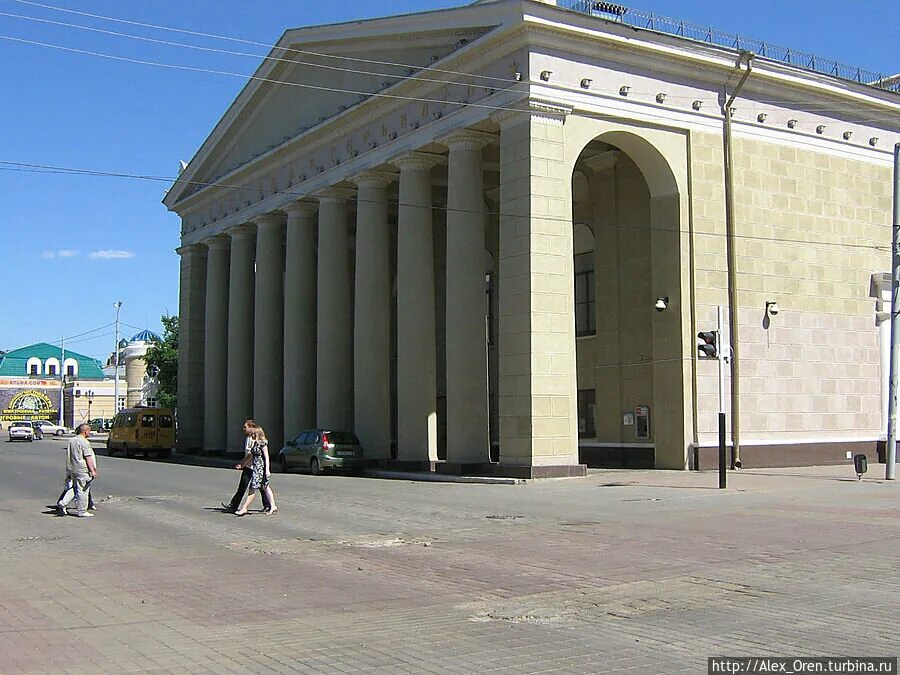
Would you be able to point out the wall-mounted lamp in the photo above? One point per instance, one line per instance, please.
(545, 75)
(873, 141)
(586, 83)
(696, 105)
(623, 91)
(772, 308)
(847, 135)
(762, 117)
(661, 97)
(820, 129)
(792, 124)
(661, 304)
(517, 77)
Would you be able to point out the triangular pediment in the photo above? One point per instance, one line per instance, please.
(315, 74)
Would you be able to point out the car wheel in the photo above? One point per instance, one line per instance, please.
(314, 467)
(126, 450)
(284, 464)
(59, 432)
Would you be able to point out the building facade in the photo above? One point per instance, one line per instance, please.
(485, 238)
(36, 379)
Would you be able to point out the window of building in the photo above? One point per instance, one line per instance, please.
(34, 369)
(121, 403)
(585, 312)
(587, 409)
(151, 402)
(51, 369)
(70, 370)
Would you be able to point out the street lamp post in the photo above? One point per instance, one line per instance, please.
(118, 306)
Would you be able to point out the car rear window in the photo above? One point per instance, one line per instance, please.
(165, 421)
(22, 424)
(148, 420)
(343, 438)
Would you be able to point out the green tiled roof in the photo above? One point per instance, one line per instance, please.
(14, 363)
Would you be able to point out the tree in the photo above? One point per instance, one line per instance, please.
(162, 358)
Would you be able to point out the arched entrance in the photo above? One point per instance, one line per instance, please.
(633, 359)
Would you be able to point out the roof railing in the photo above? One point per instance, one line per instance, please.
(663, 24)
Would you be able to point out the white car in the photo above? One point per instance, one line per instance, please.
(48, 428)
(21, 431)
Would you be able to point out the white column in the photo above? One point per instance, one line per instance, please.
(416, 361)
(191, 311)
(372, 316)
(215, 361)
(334, 334)
(300, 319)
(268, 336)
(468, 435)
(239, 400)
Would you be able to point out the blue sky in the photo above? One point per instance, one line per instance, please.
(72, 245)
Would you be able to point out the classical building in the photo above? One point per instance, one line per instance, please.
(486, 238)
(35, 379)
(137, 387)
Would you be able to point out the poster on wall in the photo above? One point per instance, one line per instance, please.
(30, 402)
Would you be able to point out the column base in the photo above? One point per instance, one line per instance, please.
(486, 469)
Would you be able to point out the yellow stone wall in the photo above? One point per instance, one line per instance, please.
(807, 224)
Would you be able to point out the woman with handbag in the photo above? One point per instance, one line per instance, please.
(259, 464)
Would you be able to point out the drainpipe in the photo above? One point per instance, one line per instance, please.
(732, 269)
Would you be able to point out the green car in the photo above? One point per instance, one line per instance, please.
(320, 449)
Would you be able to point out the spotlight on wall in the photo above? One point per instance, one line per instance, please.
(623, 91)
(586, 83)
(820, 129)
(772, 308)
(661, 97)
(792, 124)
(545, 75)
(661, 304)
(762, 117)
(696, 105)
(517, 77)
(847, 135)
(873, 141)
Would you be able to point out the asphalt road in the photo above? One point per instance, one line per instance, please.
(639, 571)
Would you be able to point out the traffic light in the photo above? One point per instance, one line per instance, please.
(708, 347)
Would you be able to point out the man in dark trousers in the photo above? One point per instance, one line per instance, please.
(246, 473)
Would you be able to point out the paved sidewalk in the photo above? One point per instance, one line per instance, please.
(619, 571)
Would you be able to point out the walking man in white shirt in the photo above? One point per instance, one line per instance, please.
(81, 469)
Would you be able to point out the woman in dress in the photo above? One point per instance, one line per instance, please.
(259, 465)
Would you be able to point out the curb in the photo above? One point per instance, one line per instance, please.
(441, 477)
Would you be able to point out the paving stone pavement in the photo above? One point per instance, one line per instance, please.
(639, 572)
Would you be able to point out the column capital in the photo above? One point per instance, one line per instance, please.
(334, 195)
(417, 161)
(300, 208)
(191, 249)
(467, 139)
(533, 108)
(243, 231)
(218, 242)
(267, 220)
(374, 179)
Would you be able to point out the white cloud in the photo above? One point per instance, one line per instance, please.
(110, 254)
(63, 253)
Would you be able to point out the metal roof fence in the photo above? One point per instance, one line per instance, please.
(698, 33)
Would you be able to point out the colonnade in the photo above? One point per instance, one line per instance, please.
(291, 339)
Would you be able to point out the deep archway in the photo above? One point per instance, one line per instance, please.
(634, 386)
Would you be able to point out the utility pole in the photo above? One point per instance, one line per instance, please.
(118, 306)
(890, 451)
(720, 324)
(62, 381)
